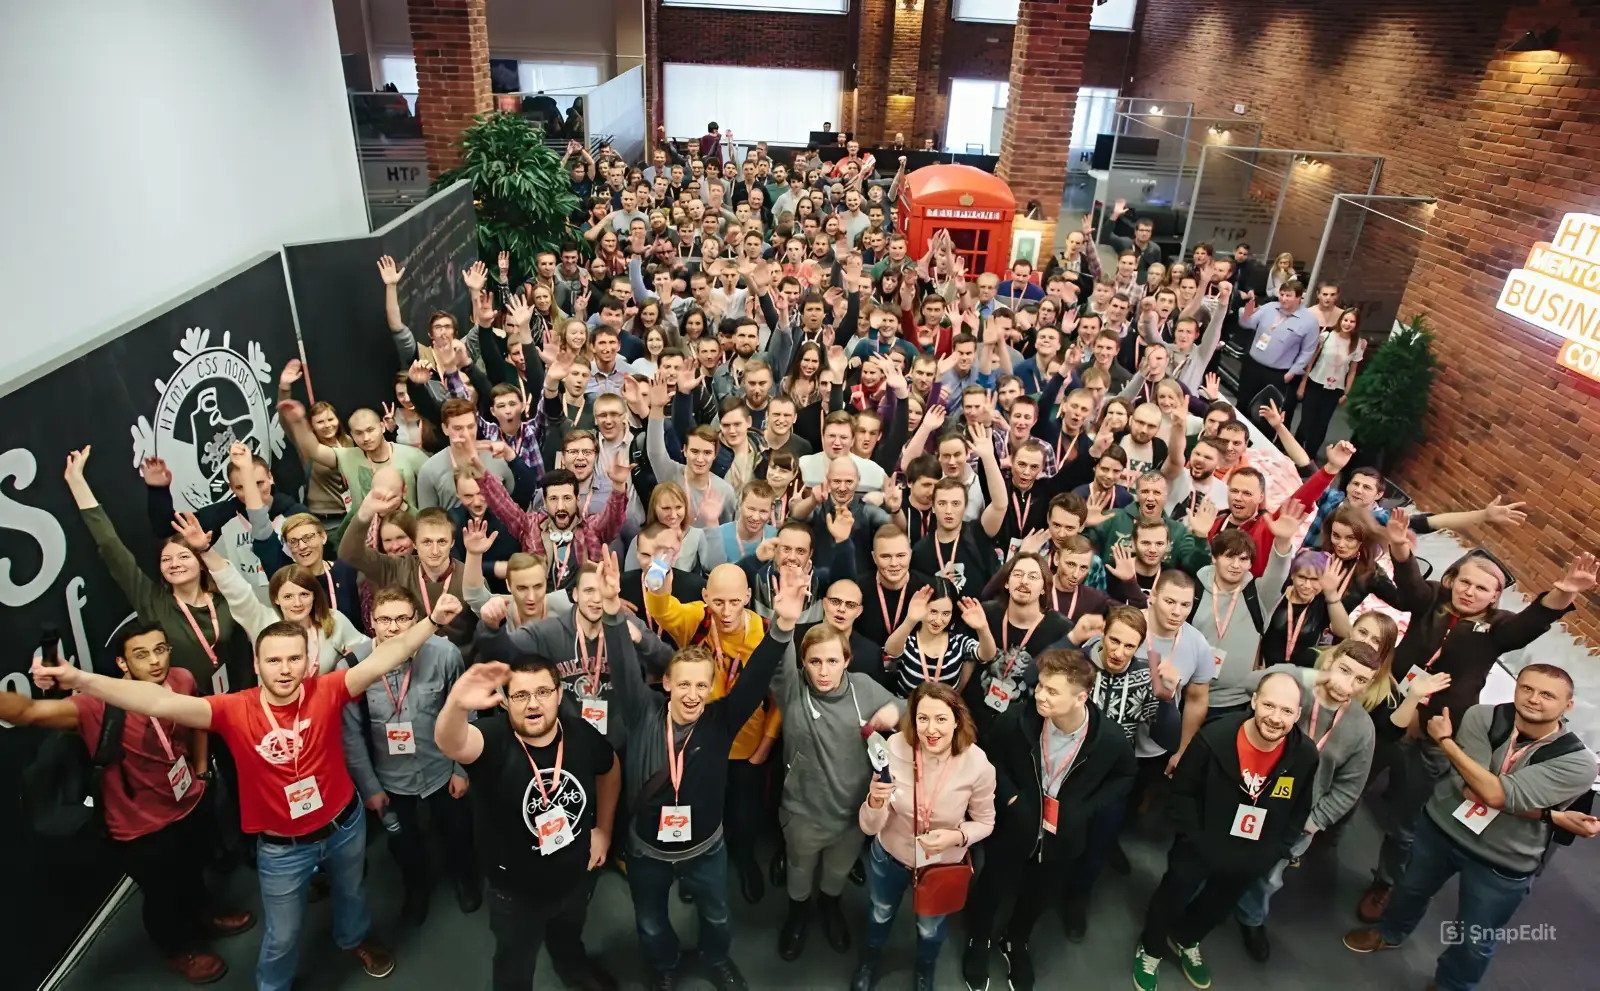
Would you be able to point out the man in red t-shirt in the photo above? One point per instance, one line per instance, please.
(294, 790)
(149, 799)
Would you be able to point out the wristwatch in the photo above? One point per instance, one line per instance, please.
(1546, 817)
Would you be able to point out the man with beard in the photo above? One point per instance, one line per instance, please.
(1247, 497)
(1199, 481)
(561, 532)
(543, 778)
(1239, 800)
(1022, 630)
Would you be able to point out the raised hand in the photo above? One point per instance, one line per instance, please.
(934, 416)
(611, 587)
(1398, 529)
(503, 262)
(1203, 517)
(1034, 542)
(389, 271)
(1430, 682)
(190, 532)
(478, 687)
(1439, 727)
(1332, 579)
(476, 538)
(292, 373)
(1286, 522)
(388, 417)
(794, 585)
(494, 611)
(75, 462)
(917, 611)
(1122, 563)
(660, 391)
(1580, 576)
(379, 502)
(620, 470)
(155, 472)
(1099, 509)
(1339, 455)
(476, 277)
(973, 615)
(1088, 626)
(840, 523)
(519, 312)
(1087, 225)
(1504, 513)
(446, 609)
(1212, 389)
(418, 373)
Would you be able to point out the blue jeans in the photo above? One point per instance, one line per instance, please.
(706, 878)
(285, 873)
(1489, 898)
(1253, 904)
(887, 881)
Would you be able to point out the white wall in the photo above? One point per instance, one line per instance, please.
(150, 146)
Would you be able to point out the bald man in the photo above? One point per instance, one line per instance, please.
(1239, 799)
(839, 491)
(842, 604)
(723, 622)
(357, 464)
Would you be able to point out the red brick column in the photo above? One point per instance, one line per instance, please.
(450, 39)
(1046, 70)
(899, 112)
(872, 69)
(931, 104)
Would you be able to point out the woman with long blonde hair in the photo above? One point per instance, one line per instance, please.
(1282, 271)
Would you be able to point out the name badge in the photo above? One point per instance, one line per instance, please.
(1000, 694)
(181, 778)
(675, 825)
(921, 857)
(1013, 547)
(401, 739)
(219, 681)
(1247, 822)
(1221, 655)
(1408, 680)
(553, 830)
(596, 712)
(304, 797)
(1476, 816)
(1051, 810)
(1263, 342)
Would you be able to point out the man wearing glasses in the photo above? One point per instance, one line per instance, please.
(842, 604)
(390, 751)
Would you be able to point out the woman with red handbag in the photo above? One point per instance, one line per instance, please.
(925, 810)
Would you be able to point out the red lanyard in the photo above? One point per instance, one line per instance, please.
(892, 622)
(1513, 752)
(735, 666)
(327, 576)
(599, 661)
(555, 778)
(927, 673)
(206, 645)
(1338, 715)
(1024, 509)
(925, 809)
(676, 758)
(1217, 620)
(1005, 639)
(1347, 576)
(938, 549)
(166, 747)
(1072, 607)
(405, 686)
(561, 561)
(1292, 629)
(294, 728)
(422, 585)
(1429, 666)
(644, 592)
(1054, 776)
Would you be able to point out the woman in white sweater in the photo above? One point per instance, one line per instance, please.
(297, 596)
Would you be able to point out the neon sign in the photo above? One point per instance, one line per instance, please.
(1558, 290)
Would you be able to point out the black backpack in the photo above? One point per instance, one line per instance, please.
(1252, 605)
(1501, 727)
(62, 786)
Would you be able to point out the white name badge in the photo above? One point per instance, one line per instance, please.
(401, 739)
(1013, 547)
(1221, 655)
(304, 797)
(553, 831)
(676, 826)
(1263, 342)
(1476, 816)
(181, 778)
(219, 681)
(1000, 695)
(1408, 680)
(921, 856)
(596, 712)
(1247, 822)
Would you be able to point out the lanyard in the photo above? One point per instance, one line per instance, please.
(405, 686)
(555, 778)
(1347, 576)
(562, 560)
(1513, 752)
(422, 585)
(938, 549)
(1005, 639)
(644, 593)
(677, 758)
(1291, 628)
(922, 519)
(1054, 776)
(327, 576)
(891, 621)
(166, 747)
(206, 645)
(1429, 666)
(1337, 715)
(599, 661)
(1217, 620)
(925, 809)
(294, 730)
(1024, 509)
(927, 673)
(735, 665)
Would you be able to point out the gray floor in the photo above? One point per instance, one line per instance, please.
(1316, 906)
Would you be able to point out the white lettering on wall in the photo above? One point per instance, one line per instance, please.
(18, 464)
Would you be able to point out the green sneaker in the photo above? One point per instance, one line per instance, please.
(1144, 970)
(1194, 968)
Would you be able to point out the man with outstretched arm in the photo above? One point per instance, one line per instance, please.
(295, 793)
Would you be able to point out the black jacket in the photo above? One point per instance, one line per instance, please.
(1101, 776)
(1206, 792)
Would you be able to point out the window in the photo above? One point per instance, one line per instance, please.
(779, 105)
(973, 121)
(784, 6)
(1109, 15)
(532, 76)
(1094, 115)
(401, 70)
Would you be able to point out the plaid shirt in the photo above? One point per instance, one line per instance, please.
(590, 535)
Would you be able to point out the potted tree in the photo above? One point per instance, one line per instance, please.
(1389, 399)
(522, 194)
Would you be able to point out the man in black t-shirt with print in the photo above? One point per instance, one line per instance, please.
(546, 784)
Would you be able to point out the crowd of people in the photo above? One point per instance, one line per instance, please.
(923, 578)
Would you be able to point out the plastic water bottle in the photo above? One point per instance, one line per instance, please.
(391, 822)
(656, 575)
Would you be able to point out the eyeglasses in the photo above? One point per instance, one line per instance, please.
(542, 694)
(305, 541)
(393, 620)
(839, 603)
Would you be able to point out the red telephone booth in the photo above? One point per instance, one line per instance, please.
(975, 206)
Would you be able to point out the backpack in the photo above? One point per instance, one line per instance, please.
(1252, 604)
(62, 786)
(1501, 727)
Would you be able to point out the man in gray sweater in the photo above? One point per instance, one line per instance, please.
(1332, 716)
(1232, 609)
(1519, 781)
(826, 709)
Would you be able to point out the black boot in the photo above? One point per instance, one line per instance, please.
(750, 883)
(1075, 913)
(414, 910)
(922, 976)
(834, 928)
(866, 975)
(792, 937)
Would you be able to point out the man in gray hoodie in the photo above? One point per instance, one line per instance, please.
(827, 711)
(1232, 608)
(1332, 716)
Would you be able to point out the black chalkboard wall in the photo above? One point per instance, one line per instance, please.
(171, 386)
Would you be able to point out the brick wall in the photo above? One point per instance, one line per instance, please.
(450, 39)
(1046, 69)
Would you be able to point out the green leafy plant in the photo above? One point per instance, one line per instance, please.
(523, 195)
(1390, 396)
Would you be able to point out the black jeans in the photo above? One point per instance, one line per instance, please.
(1191, 899)
(451, 822)
(1253, 377)
(745, 809)
(169, 867)
(1315, 415)
(523, 921)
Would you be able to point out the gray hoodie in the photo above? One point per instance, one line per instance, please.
(1345, 757)
(826, 757)
(1236, 679)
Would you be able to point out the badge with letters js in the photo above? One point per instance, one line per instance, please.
(1476, 816)
(1284, 788)
(1247, 822)
(304, 797)
(675, 825)
(401, 739)
(553, 830)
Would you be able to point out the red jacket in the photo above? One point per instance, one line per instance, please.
(1307, 495)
